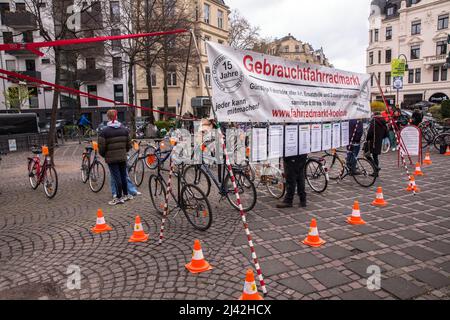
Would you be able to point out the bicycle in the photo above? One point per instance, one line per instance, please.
(270, 176)
(365, 174)
(316, 174)
(443, 139)
(44, 173)
(94, 171)
(189, 198)
(136, 164)
(88, 133)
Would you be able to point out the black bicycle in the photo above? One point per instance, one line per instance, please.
(136, 164)
(94, 171)
(316, 174)
(188, 198)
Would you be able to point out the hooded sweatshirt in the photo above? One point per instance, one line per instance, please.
(114, 142)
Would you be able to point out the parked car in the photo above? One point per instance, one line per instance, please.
(45, 127)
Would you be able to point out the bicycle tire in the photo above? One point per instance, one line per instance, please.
(32, 174)
(157, 191)
(97, 173)
(151, 151)
(197, 176)
(335, 166)
(276, 187)
(386, 146)
(247, 195)
(367, 169)
(443, 138)
(50, 172)
(193, 197)
(85, 169)
(315, 173)
(139, 172)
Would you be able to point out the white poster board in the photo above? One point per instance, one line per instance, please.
(411, 140)
(259, 144)
(276, 141)
(345, 133)
(291, 141)
(336, 136)
(304, 139)
(326, 136)
(12, 144)
(316, 138)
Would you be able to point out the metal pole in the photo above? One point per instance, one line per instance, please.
(186, 74)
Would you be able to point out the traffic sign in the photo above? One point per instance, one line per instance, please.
(398, 67)
(398, 83)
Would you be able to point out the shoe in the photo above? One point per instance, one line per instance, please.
(138, 193)
(284, 205)
(127, 197)
(303, 204)
(116, 201)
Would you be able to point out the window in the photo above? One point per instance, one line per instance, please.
(118, 93)
(30, 65)
(410, 76)
(115, 11)
(415, 52)
(4, 7)
(286, 49)
(371, 58)
(379, 56)
(389, 33)
(92, 89)
(220, 19)
(28, 36)
(297, 48)
(198, 76)
(444, 74)
(220, 41)
(45, 61)
(153, 77)
(390, 11)
(443, 22)
(117, 67)
(11, 65)
(387, 79)
(206, 13)
(416, 27)
(208, 76)
(388, 56)
(90, 63)
(377, 32)
(8, 37)
(371, 36)
(207, 38)
(441, 48)
(172, 77)
(116, 44)
(371, 80)
(33, 98)
(418, 75)
(436, 73)
(20, 7)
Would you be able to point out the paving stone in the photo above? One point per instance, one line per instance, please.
(389, 240)
(360, 267)
(404, 221)
(270, 235)
(286, 246)
(395, 260)
(273, 267)
(330, 277)
(298, 284)
(386, 225)
(240, 240)
(359, 294)
(365, 229)
(305, 260)
(261, 252)
(433, 230)
(339, 234)
(281, 221)
(336, 252)
(440, 246)
(402, 288)
(364, 245)
(432, 278)
(412, 235)
(420, 253)
(445, 266)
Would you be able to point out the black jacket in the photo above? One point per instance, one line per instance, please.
(114, 143)
(377, 132)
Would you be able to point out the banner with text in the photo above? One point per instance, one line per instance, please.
(252, 87)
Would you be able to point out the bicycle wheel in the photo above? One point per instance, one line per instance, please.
(157, 191)
(335, 166)
(246, 189)
(139, 172)
(85, 169)
(367, 173)
(275, 182)
(386, 146)
(50, 182)
(249, 171)
(151, 159)
(33, 174)
(442, 140)
(97, 177)
(197, 176)
(196, 207)
(316, 176)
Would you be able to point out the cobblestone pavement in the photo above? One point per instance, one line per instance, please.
(409, 240)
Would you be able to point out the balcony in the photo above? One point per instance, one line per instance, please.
(21, 20)
(33, 74)
(20, 52)
(91, 75)
(434, 60)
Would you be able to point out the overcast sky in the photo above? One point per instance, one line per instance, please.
(339, 26)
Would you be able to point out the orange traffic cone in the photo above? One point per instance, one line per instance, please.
(447, 153)
(198, 263)
(101, 225)
(313, 238)
(355, 218)
(379, 201)
(427, 160)
(418, 171)
(138, 233)
(250, 289)
(412, 185)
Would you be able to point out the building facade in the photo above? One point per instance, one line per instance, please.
(417, 30)
(210, 24)
(95, 68)
(292, 49)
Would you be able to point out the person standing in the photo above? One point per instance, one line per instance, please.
(377, 132)
(114, 142)
(357, 131)
(294, 170)
(417, 117)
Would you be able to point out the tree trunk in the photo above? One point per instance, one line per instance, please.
(52, 131)
(132, 110)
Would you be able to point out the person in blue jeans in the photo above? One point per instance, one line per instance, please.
(132, 190)
(356, 132)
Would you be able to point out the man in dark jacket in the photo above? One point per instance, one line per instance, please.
(294, 170)
(356, 133)
(114, 142)
(377, 132)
